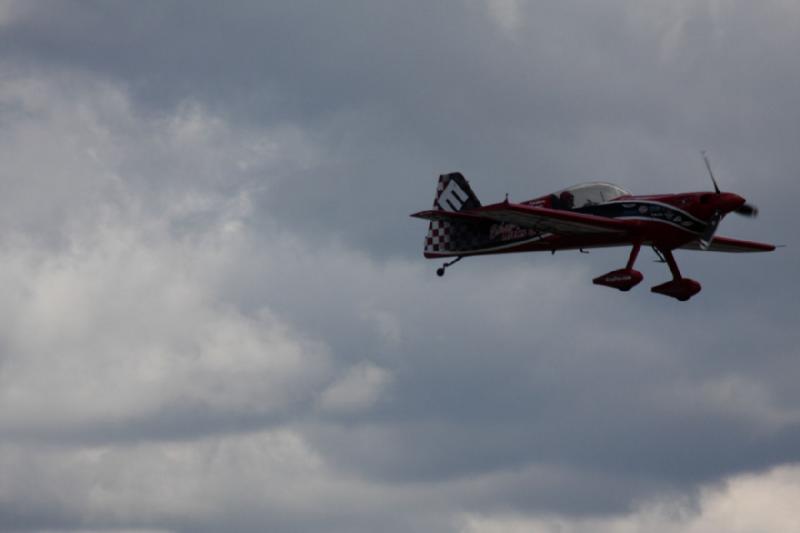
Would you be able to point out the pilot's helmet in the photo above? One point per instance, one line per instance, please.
(566, 199)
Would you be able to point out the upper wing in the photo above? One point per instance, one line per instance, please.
(541, 219)
(560, 222)
(725, 244)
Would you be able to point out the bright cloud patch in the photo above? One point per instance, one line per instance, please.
(122, 327)
(356, 390)
(506, 13)
(745, 504)
(115, 247)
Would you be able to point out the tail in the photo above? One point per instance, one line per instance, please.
(449, 236)
(453, 193)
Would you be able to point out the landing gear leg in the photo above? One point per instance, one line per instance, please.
(623, 279)
(680, 288)
(633, 256)
(673, 266)
(441, 269)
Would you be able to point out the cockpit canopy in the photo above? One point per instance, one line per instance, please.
(593, 193)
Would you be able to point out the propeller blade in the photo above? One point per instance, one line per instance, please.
(708, 234)
(710, 173)
(747, 210)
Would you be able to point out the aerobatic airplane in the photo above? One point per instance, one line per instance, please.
(590, 215)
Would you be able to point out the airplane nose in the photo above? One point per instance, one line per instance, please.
(730, 202)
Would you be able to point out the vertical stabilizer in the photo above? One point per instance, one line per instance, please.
(453, 193)
(448, 237)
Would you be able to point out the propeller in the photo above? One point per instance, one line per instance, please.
(710, 173)
(711, 228)
(746, 210)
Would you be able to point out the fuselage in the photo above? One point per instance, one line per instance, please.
(663, 220)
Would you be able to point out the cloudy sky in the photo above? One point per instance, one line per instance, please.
(216, 314)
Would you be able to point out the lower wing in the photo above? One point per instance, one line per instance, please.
(725, 244)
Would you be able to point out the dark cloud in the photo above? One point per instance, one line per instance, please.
(398, 93)
(216, 311)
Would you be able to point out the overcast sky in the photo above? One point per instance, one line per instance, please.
(215, 312)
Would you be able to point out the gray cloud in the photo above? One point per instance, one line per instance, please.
(215, 312)
(415, 90)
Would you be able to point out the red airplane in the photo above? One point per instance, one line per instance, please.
(590, 215)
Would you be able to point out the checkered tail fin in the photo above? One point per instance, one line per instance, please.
(448, 237)
(453, 193)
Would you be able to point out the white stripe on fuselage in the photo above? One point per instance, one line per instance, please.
(652, 219)
(662, 204)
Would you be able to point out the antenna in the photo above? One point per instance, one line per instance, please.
(710, 173)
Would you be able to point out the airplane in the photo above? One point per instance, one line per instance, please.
(588, 215)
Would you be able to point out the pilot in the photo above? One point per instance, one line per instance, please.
(566, 200)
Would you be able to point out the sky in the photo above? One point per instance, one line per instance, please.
(216, 314)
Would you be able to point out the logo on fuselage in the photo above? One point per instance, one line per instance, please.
(510, 232)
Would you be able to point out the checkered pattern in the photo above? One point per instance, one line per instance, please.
(446, 236)
(438, 238)
(444, 179)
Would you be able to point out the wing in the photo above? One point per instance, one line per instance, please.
(725, 244)
(482, 229)
(557, 221)
(541, 219)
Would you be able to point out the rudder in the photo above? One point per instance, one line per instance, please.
(453, 237)
(453, 193)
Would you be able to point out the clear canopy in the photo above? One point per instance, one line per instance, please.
(593, 193)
